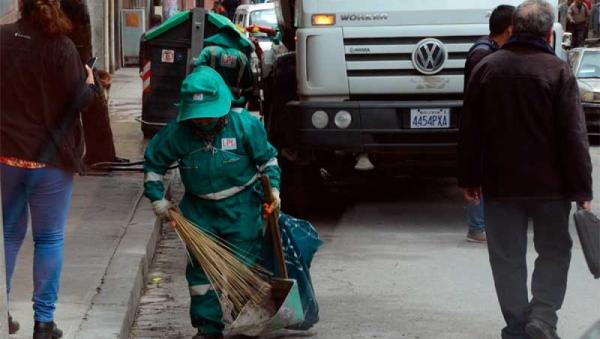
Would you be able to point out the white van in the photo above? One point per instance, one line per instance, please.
(258, 14)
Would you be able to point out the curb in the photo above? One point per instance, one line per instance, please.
(113, 308)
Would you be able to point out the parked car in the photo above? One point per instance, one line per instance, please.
(586, 66)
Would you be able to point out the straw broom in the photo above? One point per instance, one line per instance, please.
(238, 283)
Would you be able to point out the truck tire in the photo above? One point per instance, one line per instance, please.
(149, 131)
(300, 188)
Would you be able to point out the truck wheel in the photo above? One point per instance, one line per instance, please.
(149, 131)
(299, 188)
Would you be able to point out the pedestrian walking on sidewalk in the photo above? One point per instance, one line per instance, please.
(563, 13)
(500, 32)
(222, 152)
(523, 143)
(99, 141)
(43, 87)
(578, 19)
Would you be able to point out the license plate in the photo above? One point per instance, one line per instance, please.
(430, 118)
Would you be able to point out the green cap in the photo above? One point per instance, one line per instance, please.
(204, 94)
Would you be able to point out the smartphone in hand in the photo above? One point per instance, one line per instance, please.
(92, 62)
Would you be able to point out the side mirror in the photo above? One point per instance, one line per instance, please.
(567, 40)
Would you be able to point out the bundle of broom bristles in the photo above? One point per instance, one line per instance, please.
(239, 285)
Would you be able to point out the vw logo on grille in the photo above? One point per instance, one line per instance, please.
(430, 56)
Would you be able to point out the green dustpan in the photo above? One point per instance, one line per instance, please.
(285, 291)
(284, 309)
(289, 306)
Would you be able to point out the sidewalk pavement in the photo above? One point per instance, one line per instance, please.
(109, 242)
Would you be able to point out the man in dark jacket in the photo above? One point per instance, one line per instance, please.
(523, 145)
(500, 32)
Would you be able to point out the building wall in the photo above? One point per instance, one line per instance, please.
(9, 13)
(104, 15)
(98, 22)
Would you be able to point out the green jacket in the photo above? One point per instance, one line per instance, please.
(232, 163)
(233, 65)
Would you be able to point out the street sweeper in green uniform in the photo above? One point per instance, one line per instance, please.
(221, 152)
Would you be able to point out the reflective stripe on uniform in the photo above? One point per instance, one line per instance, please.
(213, 57)
(238, 109)
(151, 176)
(230, 192)
(243, 63)
(272, 162)
(198, 290)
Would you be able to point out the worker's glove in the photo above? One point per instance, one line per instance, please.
(161, 208)
(276, 199)
(268, 209)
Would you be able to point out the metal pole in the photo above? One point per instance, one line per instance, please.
(3, 299)
(197, 43)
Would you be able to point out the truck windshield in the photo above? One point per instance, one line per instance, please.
(263, 18)
(590, 65)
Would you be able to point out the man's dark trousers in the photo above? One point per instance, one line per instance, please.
(507, 223)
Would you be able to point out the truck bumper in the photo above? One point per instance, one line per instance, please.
(376, 127)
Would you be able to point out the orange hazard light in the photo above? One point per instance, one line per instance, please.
(323, 19)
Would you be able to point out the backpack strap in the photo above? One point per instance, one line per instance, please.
(213, 57)
(481, 45)
(243, 62)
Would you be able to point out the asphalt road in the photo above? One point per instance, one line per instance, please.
(395, 264)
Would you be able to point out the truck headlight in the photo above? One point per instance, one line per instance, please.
(587, 96)
(343, 119)
(320, 119)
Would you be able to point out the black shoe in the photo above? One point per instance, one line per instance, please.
(13, 325)
(539, 330)
(46, 330)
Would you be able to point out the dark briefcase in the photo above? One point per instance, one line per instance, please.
(588, 229)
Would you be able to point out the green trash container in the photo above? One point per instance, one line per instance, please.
(165, 55)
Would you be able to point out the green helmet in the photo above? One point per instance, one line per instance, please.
(204, 94)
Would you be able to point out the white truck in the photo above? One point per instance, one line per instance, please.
(373, 83)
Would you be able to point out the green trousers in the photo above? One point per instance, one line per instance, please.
(237, 220)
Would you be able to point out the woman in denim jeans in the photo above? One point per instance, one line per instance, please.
(43, 86)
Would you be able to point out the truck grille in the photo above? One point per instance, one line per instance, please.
(392, 56)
